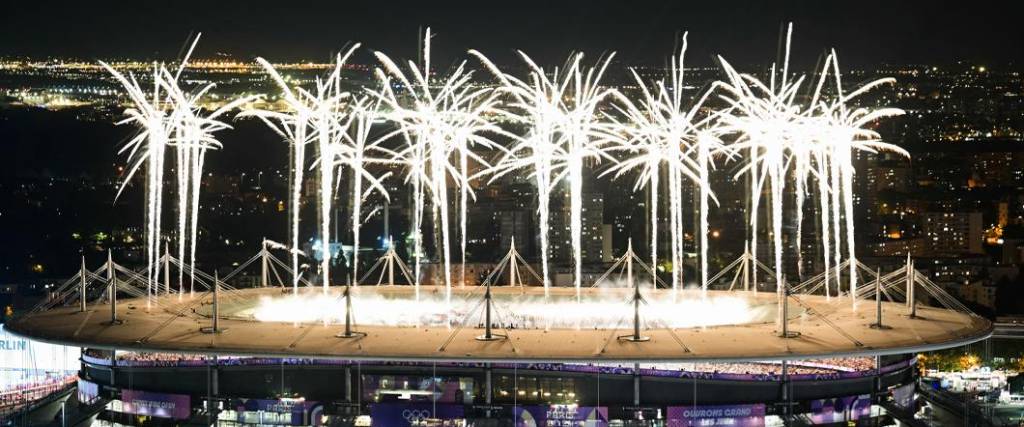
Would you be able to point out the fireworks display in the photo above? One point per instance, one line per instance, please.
(439, 123)
(169, 117)
(444, 129)
(661, 128)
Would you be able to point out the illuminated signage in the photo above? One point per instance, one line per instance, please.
(716, 415)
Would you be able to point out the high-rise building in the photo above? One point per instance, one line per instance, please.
(953, 232)
(591, 236)
(517, 224)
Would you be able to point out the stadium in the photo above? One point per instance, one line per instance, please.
(361, 354)
(168, 343)
(295, 391)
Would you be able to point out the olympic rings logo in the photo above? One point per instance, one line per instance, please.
(413, 415)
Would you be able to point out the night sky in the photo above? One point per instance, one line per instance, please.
(865, 32)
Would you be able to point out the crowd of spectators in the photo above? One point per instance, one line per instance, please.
(16, 397)
(142, 359)
(730, 370)
(796, 367)
(847, 364)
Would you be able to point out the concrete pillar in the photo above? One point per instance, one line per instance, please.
(878, 374)
(215, 376)
(785, 393)
(113, 367)
(636, 384)
(348, 384)
(488, 395)
(211, 401)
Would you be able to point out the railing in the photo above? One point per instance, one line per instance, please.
(556, 367)
(15, 400)
(963, 406)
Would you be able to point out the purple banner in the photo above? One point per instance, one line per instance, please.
(903, 396)
(840, 409)
(560, 416)
(162, 405)
(88, 391)
(716, 415)
(405, 414)
(416, 388)
(297, 408)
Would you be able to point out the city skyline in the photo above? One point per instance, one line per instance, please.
(908, 32)
(574, 213)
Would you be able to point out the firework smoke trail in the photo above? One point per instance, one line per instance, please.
(198, 158)
(644, 153)
(769, 124)
(815, 160)
(843, 157)
(463, 200)
(536, 104)
(440, 120)
(155, 172)
(147, 149)
(779, 133)
(470, 127)
(357, 152)
(583, 137)
(801, 169)
(676, 224)
(357, 204)
(836, 216)
(312, 116)
(654, 219)
(184, 162)
(185, 153)
(575, 169)
(323, 123)
(821, 162)
(417, 222)
(766, 165)
(299, 166)
(327, 113)
(818, 163)
(293, 127)
(662, 130)
(754, 187)
(705, 144)
(170, 118)
(703, 157)
(415, 156)
(315, 116)
(560, 107)
(766, 118)
(811, 159)
(846, 133)
(194, 133)
(439, 185)
(777, 177)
